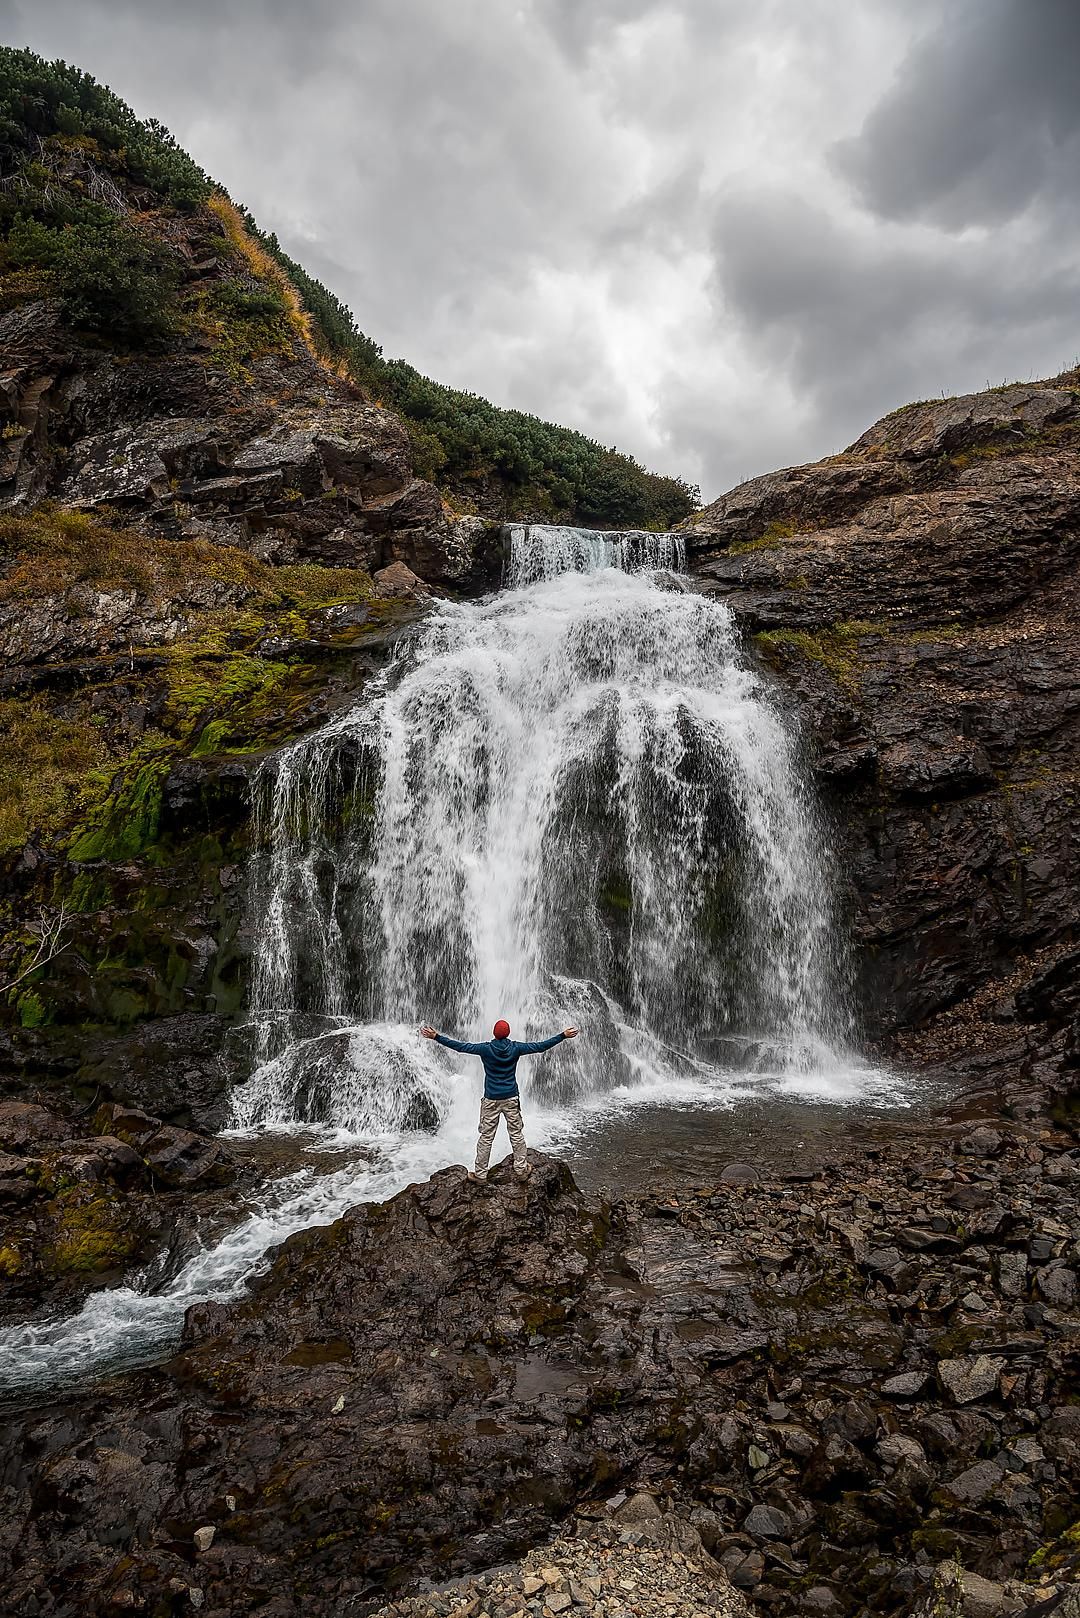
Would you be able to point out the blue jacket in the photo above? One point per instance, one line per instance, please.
(500, 1059)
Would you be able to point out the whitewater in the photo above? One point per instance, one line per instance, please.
(576, 801)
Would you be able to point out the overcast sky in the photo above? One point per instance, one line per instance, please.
(722, 234)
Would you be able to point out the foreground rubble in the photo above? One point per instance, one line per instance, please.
(626, 1559)
(848, 1381)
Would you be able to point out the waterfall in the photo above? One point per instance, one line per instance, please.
(576, 801)
(540, 552)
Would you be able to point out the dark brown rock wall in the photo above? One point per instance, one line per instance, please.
(918, 597)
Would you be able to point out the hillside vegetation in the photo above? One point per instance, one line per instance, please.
(87, 191)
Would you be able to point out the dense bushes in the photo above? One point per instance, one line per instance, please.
(65, 141)
(111, 279)
(40, 99)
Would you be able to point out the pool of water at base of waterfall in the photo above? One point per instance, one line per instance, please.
(623, 1151)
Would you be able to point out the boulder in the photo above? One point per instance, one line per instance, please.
(23, 1124)
(136, 464)
(972, 1485)
(1056, 1285)
(18, 1181)
(127, 1123)
(982, 1142)
(968, 1379)
(905, 1385)
(767, 1522)
(399, 583)
(896, 1449)
(956, 1593)
(180, 1159)
(640, 1508)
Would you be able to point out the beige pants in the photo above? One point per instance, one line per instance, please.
(490, 1113)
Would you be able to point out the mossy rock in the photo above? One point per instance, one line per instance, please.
(835, 649)
(33, 1012)
(90, 1234)
(10, 1261)
(127, 823)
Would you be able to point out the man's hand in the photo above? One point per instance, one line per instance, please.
(570, 1033)
(428, 1032)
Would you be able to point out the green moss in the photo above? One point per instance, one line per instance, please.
(211, 738)
(10, 1260)
(922, 637)
(89, 891)
(33, 1013)
(774, 534)
(89, 1234)
(836, 649)
(61, 780)
(44, 758)
(127, 823)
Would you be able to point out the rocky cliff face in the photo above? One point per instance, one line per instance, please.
(915, 595)
(918, 596)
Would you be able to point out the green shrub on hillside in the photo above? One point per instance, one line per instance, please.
(39, 99)
(111, 279)
(457, 436)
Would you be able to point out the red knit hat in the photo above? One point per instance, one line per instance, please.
(501, 1029)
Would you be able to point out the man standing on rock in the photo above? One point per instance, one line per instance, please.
(501, 1099)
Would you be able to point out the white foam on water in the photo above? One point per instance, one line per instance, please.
(576, 801)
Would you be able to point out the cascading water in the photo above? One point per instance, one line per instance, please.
(574, 801)
(540, 552)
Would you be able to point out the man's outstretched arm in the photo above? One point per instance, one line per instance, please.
(532, 1047)
(451, 1044)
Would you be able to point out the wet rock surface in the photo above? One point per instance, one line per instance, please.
(796, 1366)
(85, 1200)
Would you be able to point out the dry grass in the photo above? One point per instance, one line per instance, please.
(265, 268)
(48, 551)
(45, 760)
(52, 549)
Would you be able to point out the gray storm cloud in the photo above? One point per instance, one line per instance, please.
(721, 234)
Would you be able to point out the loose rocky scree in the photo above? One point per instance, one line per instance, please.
(626, 1559)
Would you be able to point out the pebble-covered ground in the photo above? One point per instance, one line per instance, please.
(637, 1563)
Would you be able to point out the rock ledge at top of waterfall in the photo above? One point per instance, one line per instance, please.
(541, 551)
